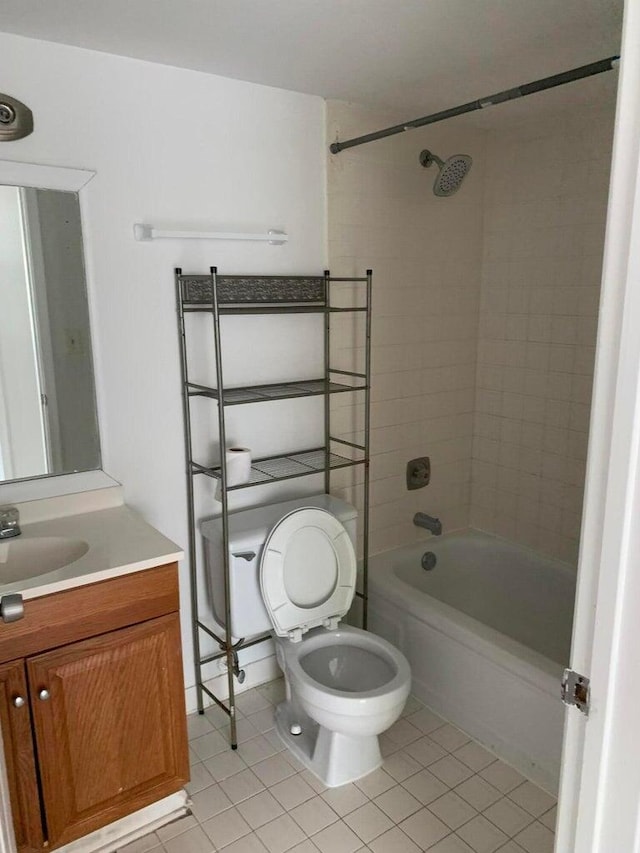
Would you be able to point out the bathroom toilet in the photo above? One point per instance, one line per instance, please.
(293, 571)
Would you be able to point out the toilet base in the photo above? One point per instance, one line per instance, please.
(334, 758)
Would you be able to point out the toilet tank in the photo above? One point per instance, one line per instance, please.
(248, 531)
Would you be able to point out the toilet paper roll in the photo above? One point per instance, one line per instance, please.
(238, 468)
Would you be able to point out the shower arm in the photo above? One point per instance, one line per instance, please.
(482, 103)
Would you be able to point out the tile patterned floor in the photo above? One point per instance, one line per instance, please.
(438, 791)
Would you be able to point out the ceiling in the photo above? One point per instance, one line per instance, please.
(411, 57)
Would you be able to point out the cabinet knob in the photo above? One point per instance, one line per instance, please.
(43, 695)
(18, 701)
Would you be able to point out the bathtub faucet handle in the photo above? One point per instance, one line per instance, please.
(434, 525)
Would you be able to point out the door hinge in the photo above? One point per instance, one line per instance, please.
(575, 690)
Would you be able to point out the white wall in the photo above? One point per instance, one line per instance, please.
(179, 148)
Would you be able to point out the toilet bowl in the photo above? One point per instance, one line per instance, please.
(344, 686)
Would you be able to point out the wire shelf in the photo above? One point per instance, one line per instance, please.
(279, 391)
(276, 468)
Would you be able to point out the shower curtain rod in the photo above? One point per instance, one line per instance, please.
(483, 103)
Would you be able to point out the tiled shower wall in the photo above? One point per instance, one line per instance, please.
(426, 256)
(544, 216)
(484, 321)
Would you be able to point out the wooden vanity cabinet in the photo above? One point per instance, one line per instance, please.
(15, 722)
(106, 713)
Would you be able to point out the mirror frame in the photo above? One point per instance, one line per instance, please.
(15, 173)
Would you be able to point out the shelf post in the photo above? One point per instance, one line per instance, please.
(228, 639)
(189, 473)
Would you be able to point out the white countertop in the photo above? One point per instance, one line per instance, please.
(120, 542)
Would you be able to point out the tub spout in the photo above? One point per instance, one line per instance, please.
(421, 519)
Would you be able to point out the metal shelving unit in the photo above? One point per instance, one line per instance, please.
(250, 295)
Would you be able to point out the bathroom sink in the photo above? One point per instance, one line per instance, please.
(37, 555)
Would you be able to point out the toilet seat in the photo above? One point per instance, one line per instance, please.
(307, 572)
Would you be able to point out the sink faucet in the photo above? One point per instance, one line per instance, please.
(421, 519)
(9, 518)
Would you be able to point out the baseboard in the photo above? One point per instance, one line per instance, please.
(122, 832)
(257, 672)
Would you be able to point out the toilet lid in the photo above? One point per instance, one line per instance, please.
(307, 572)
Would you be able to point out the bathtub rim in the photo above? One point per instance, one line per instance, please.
(535, 668)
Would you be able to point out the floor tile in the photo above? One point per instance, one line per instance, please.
(397, 803)
(449, 737)
(345, 799)
(401, 765)
(368, 822)
(280, 834)
(549, 818)
(427, 751)
(474, 756)
(478, 793)
(424, 828)
(403, 732)
(536, 838)
(263, 720)
(411, 706)
(312, 780)
(313, 815)
(451, 844)
(247, 844)
(176, 827)
(274, 691)
(255, 750)
(141, 845)
(426, 797)
(216, 716)
(502, 777)
(252, 701)
(426, 720)
(452, 810)
(245, 730)
(224, 765)
(226, 827)
(198, 725)
(507, 816)
(200, 779)
(260, 809)
(210, 744)
(337, 838)
(375, 783)
(394, 841)
(450, 771)
(292, 791)
(306, 846)
(209, 802)
(273, 770)
(275, 740)
(532, 798)
(241, 786)
(425, 787)
(481, 835)
(193, 841)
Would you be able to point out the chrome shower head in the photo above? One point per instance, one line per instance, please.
(451, 172)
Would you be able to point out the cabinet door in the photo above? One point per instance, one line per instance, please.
(110, 724)
(15, 722)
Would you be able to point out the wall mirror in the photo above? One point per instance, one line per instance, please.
(48, 418)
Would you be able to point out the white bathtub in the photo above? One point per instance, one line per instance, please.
(487, 633)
